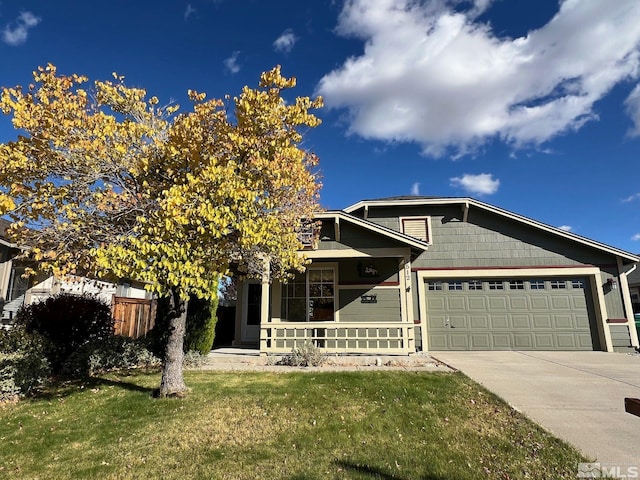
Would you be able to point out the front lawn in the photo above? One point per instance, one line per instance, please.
(373, 425)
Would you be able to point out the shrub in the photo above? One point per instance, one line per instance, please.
(200, 327)
(23, 365)
(306, 355)
(67, 322)
(193, 359)
(114, 353)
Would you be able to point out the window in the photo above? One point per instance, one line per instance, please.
(516, 285)
(434, 286)
(579, 284)
(310, 296)
(496, 285)
(455, 285)
(417, 227)
(558, 284)
(475, 285)
(536, 284)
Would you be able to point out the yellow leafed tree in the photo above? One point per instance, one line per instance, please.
(105, 182)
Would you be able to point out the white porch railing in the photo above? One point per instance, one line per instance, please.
(338, 337)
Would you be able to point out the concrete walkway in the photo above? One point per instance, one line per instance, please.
(578, 396)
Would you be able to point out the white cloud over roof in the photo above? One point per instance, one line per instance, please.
(432, 74)
(482, 184)
(16, 33)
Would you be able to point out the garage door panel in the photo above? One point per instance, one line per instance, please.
(518, 303)
(522, 341)
(498, 304)
(477, 303)
(501, 341)
(459, 341)
(480, 341)
(561, 303)
(435, 304)
(456, 304)
(520, 321)
(563, 321)
(512, 319)
(479, 321)
(566, 341)
(499, 321)
(544, 341)
(542, 321)
(539, 303)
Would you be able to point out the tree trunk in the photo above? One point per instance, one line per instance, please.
(172, 383)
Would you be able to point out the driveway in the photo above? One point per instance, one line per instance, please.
(579, 396)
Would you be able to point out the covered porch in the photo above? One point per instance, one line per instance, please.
(352, 299)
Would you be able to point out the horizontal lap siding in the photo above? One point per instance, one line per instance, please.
(386, 308)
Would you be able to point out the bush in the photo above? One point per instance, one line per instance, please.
(193, 359)
(200, 327)
(23, 365)
(306, 355)
(67, 322)
(115, 353)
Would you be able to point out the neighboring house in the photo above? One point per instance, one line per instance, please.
(16, 290)
(407, 274)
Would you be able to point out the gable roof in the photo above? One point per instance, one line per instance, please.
(341, 215)
(471, 202)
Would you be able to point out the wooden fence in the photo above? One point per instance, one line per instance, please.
(133, 317)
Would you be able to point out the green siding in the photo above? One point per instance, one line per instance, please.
(387, 308)
(620, 336)
(351, 270)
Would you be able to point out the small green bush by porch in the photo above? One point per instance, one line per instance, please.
(351, 425)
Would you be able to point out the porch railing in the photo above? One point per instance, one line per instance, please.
(380, 338)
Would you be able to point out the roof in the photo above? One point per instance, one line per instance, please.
(401, 237)
(410, 200)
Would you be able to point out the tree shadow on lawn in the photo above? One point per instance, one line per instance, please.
(63, 388)
(378, 473)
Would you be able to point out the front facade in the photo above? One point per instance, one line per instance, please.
(410, 274)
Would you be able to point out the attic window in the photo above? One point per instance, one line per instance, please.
(417, 227)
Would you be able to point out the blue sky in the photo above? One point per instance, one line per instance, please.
(530, 105)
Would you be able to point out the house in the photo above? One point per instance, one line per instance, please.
(408, 274)
(17, 290)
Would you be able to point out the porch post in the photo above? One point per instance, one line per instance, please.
(264, 307)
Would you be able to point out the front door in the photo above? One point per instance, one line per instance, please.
(251, 306)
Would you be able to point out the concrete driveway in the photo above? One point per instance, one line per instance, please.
(579, 396)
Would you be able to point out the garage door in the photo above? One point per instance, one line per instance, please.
(507, 314)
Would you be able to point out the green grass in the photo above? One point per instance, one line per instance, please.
(374, 425)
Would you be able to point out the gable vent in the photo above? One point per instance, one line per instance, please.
(416, 227)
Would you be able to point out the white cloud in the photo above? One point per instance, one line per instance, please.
(285, 42)
(188, 12)
(482, 184)
(430, 73)
(16, 33)
(415, 188)
(636, 237)
(566, 228)
(631, 198)
(632, 106)
(231, 63)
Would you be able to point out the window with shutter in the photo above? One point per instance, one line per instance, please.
(417, 227)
